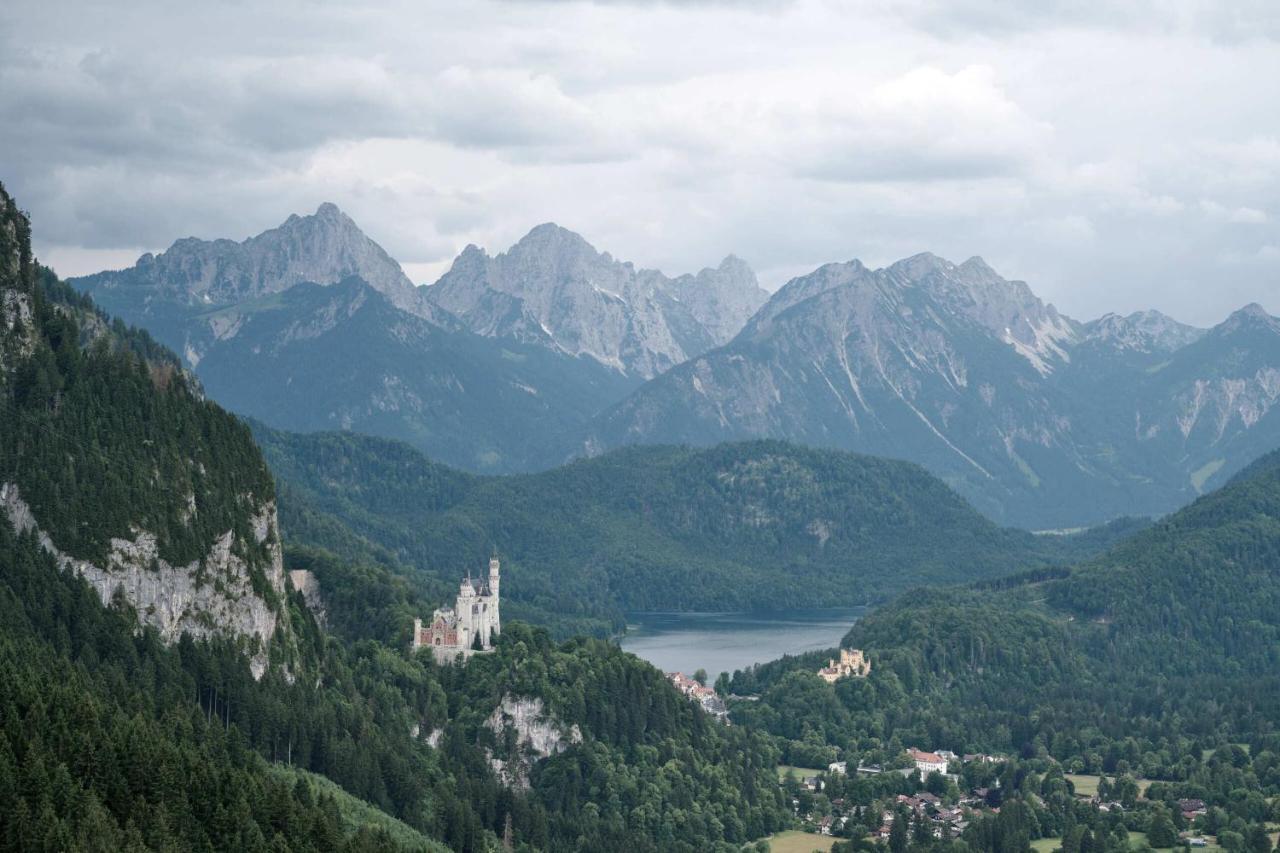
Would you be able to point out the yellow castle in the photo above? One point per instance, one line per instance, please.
(852, 664)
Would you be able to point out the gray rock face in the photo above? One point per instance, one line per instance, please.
(324, 248)
(537, 735)
(1041, 421)
(1141, 332)
(213, 595)
(17, 338)
(555, 289)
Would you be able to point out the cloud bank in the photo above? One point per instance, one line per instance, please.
(1114, 157)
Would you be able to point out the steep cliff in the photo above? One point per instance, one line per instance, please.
(114, 462)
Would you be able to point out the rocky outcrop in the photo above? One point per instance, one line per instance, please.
(553, 288)
(211, 596)
(1141, 331)
(308, 584)
(537, 735)
(17, 337)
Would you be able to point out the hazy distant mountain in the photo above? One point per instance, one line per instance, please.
(344, 357)
(553, 288)
(1040, 420)
(518, 361)
(325, 247)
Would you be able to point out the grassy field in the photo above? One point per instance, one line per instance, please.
(795, 841)
(1087, 786)
(801, 772)
(1048, 845)
(356, 812)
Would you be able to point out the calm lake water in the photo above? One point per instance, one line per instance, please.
(723, 642)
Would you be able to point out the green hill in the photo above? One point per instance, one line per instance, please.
(1141, 659)
(753, 525)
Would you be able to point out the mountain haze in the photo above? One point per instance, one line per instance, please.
(1040, 420)
(521, 360)
(343, 356)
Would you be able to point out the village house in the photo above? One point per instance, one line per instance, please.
(1191, 808)
(704, 696)
(927, 762)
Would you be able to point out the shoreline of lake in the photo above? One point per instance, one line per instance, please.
(718, 642)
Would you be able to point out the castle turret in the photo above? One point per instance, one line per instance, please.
(495, 623)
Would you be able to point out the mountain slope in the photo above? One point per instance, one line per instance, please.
(1039, 420)
(1139, 660)
(355, 346)
(755, 525)
(343, 357)
(111, 459)
(553, 288)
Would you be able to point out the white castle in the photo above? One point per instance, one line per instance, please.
(472, 621)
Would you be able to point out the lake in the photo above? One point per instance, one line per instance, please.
(724, 642)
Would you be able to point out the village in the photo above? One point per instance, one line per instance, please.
(935, 793)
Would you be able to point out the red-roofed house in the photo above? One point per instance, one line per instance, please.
(928, 762)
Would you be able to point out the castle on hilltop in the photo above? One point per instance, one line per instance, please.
(469, 626)
(852, 664)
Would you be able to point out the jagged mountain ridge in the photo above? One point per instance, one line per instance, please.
(324, 247)
(1037, 418)
(343, 357)
(255, 320)
(554, 288)
(1040, 420)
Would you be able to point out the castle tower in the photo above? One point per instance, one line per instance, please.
(495, 623)
(466, 610)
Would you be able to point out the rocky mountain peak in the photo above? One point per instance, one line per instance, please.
(722, 299)
(1249, 318)
(1142, 331)
(324, 247)
(556, 289)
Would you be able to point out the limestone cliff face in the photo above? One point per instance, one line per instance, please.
(537, 735)
(213, 595)
(17, 339)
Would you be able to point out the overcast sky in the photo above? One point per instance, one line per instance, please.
(1115, 156)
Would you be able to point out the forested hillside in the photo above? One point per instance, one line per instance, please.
(138, 712)
(1136, 661)
(740, 526)
(113, 460)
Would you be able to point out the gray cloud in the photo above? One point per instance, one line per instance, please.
(1116, 157)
